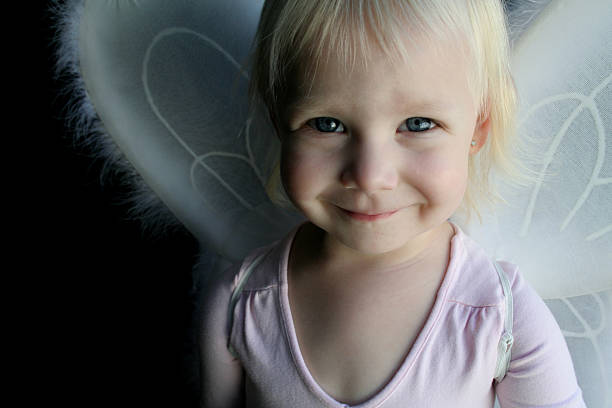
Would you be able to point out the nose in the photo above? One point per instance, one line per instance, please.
(370, 167)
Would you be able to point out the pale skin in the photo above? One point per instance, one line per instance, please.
(356, 314)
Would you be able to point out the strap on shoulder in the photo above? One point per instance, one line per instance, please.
(507, 340)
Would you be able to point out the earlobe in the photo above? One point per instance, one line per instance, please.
(481, 133)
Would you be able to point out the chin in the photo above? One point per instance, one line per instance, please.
(372, 242)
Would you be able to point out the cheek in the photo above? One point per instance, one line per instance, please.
(303, 173)
(442, 174)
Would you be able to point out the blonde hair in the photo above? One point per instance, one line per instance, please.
(301, 34)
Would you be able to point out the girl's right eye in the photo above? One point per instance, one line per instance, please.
(326, 125)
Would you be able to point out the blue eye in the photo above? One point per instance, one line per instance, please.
(417, 125)
(326, 125)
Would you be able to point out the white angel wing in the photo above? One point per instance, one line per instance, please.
(167, 82)
(565, 122)
(164, 82)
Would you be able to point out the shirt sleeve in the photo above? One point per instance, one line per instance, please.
(221, 374)
(541, 372)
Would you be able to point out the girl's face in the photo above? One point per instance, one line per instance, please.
(378, 157)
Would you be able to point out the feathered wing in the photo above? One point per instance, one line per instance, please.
(164, 86)
(160, 89)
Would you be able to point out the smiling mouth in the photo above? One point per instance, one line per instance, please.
(367, 217)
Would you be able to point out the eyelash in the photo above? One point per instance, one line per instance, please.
(315, 124)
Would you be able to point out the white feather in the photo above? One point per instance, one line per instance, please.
(88, 131)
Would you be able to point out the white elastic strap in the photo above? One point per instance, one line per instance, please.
(236, 294)
(504, 347)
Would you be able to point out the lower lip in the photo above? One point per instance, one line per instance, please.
(368, 217)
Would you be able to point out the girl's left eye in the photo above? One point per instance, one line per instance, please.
(417, 124)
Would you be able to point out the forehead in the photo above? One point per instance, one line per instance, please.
(432, 74)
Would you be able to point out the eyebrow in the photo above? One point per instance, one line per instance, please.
(305, 105)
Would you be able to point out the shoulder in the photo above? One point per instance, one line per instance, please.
(262, 268)
(258, 270)
(541, 371)
(476, 281)
(219, 283)
(536, 332)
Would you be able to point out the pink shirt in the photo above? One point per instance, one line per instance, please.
(451, 363)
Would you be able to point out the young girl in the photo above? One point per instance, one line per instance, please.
(389, 115)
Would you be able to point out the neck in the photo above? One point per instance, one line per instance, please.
(315, 248)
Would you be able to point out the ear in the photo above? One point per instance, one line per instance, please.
(481, 133)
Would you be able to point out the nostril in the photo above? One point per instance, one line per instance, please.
(347, 180)
(370, 180)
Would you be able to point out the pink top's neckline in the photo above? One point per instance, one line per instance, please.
(418, 345)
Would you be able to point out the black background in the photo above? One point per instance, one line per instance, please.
(108, 313)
